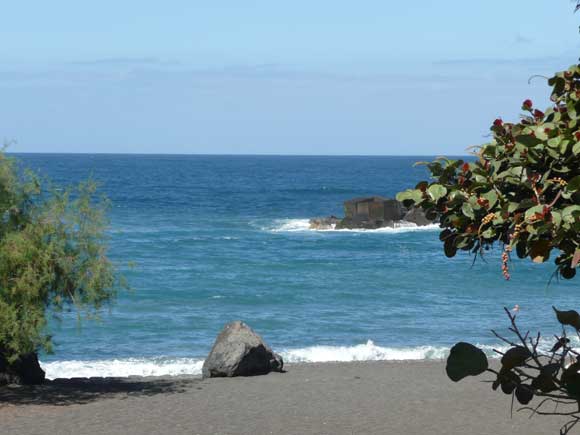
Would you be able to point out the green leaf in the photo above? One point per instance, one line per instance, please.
(533, 210)
(573, 184)
(513, 206)
(437, 191)
(554, 142)
(491, 196)
(413, 195)
(570, 211)
(528, 140)
(467, 210)
(465, 360)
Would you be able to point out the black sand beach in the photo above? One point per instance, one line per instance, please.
(333, 398)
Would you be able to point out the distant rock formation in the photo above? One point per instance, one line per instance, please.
(24, 371)
(371, 213)
(417, 216)
(239, 351)
(325, 223)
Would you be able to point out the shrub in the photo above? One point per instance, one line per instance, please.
(522, 191)
(52, 257)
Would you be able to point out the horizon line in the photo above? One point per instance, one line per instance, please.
(55, 153)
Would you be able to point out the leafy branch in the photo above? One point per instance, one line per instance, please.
(526, 372)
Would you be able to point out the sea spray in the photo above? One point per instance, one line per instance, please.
(303, 225)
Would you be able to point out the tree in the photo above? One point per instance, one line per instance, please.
(53, 257)
(523, 192)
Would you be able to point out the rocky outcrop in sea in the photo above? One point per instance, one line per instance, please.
(372, 213)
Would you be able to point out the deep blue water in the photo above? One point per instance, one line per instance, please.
(218, 238)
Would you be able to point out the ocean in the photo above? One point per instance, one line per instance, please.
(221, 238)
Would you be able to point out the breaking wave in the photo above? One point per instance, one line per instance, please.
(165, 366)
(363, 352)
(122, 368)
(301, 225)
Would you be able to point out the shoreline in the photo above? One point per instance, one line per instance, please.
(370, 397)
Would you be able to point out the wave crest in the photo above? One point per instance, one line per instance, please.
(165, 366)
(363, 352)
(122, 368)
(303, 225)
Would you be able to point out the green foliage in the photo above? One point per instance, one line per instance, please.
(52, 257)
(526, 372)
(523, 190)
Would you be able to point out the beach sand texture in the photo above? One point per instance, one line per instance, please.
(331, 398)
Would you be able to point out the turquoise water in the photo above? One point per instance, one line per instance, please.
(218, 238)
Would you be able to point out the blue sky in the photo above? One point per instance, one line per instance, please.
(254, 77)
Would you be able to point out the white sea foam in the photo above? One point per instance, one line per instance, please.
(123, 367)
(165, 366)
(301, 225)
(362, 352)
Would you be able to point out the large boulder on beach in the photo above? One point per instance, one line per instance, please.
(24, 371)
(239, 351)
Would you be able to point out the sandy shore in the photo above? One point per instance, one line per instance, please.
(333, 398)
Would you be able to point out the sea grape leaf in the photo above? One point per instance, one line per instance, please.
(544, 383)
(576, 258)
(571, 318)
(540, 251)
(412, 195)
(524, 394)
(491, 196)
(449, 247)
(573, 184)
(437, 191)
(467, 210)
(515, 357)
(571, 379)
(444, 234)
(508, 381)
(533, 210)
(465, 360)
(567, 272)
(562, 341)
(528, 140)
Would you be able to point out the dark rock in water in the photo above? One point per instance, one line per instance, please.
(325, 223)
(239, 351)
(371, 213)
(25, 371)
(417, 216)
(373, 208)
(360, 223)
